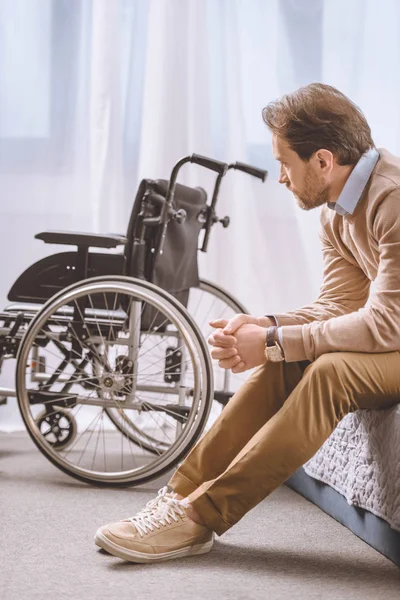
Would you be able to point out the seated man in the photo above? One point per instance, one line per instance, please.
(315, 364)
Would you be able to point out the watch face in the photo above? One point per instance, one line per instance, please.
(274, 353)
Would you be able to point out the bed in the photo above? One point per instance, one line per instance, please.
(355, 477)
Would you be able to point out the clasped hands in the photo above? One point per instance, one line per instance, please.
(238, 343)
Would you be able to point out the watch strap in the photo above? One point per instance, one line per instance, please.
(273, 319)
(271, 335)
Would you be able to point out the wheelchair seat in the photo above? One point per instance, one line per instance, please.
(30, 309)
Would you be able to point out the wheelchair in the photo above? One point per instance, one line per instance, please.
(114, 381)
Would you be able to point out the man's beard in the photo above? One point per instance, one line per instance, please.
(314, 193)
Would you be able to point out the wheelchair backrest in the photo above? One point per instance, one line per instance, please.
(176, 269)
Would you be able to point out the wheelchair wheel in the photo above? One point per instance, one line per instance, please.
(58, 427)
(96, 357)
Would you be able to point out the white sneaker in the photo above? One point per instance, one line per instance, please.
(159, 532)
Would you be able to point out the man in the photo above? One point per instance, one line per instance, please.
(315, 364)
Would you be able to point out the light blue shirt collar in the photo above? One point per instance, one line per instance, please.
(354, 186)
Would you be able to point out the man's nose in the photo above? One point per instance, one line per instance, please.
(283, 178)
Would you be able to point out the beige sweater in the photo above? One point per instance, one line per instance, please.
(357, 248)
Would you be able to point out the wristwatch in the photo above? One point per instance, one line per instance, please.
(273, 351)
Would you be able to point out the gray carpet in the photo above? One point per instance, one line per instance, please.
(285, 548)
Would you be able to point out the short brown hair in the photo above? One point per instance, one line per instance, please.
(319, 116)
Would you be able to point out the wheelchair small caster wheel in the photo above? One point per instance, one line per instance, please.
(59, 427)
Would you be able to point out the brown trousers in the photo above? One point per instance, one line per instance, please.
(275, 423)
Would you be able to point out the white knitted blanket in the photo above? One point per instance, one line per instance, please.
(361, 460)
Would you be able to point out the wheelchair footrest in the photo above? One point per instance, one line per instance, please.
(222, 397)
(175, 411)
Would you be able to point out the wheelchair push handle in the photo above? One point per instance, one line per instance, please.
(209, 163)
(212, 218)
(254, 171)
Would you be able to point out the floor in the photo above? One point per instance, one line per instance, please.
(285, 548)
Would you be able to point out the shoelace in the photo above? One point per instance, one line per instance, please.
(158, 511)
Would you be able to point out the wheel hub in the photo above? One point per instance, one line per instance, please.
(108, 382)
(113, 382)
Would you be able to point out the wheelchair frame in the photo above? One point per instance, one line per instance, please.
(66, 272)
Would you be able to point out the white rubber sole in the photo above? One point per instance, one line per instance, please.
(141, 557)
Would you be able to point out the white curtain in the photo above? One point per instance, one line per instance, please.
(95, 95)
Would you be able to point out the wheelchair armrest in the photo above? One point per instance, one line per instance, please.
(97, 240)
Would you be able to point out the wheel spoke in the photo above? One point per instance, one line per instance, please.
(87, 365)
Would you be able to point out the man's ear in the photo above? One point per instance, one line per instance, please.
(324, 159)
